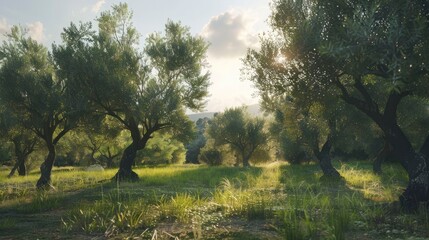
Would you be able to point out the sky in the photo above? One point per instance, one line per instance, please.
(230, 26)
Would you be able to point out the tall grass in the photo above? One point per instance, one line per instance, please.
(201, 200)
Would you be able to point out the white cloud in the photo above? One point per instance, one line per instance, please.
(97, 6)
(36, 31)
(4, 27)
(230, 34)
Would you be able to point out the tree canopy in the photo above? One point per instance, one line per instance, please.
(371, 54)
(31, 89)
(242, 133)
(145, 91)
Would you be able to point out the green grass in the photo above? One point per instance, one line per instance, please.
(273, 201)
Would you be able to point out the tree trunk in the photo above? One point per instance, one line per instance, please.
(329, 172)
(425, 148)
(381, 157)
(125, 171)
(245, 159)
(22, 171)
(44, 181)
(12, 171)
(21, 155)
(418, 186)
(20, 165)
(417, 166)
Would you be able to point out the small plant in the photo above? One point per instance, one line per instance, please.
(177, 207)
(295, 224)
(339, 222)
(110, 218)
(42, 201)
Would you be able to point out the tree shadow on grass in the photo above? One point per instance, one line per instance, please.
(44, 212)
(365, 197)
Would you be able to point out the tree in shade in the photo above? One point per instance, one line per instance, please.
(370, 54)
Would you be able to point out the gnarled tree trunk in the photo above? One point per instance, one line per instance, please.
(22, 171)
(417, 166)
(44, 181)
(125, 171)
(381, 157)
(22, 151)
(425, 148)
(329, 172)
(19, 165)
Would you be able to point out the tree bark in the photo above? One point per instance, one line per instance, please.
(417, 166)
(109, 157)
(245, 159)
(20, 165)
(425, 148)
(22, 171)
(125, 171)
(21, 154)
(329, 172)
(44, 181)
(381, 157)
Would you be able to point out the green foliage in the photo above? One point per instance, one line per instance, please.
(163, 149)
(5, 155)
(144, 92)
(36, 95)
(193, 148)
(365, 53)
(100, 142)
(211, 157)
(239, 131)
(29, 85)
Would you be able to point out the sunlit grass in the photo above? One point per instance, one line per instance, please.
(290, 198)
(385, 188)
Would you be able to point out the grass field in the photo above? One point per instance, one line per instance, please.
(274, 201)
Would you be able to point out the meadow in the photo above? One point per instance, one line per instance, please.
(272, 201)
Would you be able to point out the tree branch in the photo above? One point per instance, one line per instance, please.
(60, 135)
(392, 105)
(363, 106)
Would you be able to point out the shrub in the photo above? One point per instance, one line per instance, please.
(211, 157)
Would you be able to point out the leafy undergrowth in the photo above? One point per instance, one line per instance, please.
(274, 201)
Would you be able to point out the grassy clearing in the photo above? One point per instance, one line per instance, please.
(274, 201)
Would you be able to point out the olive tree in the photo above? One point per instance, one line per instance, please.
(370, 54)
(242, 133)
(145, 91)
(31, 89)
(23, 140)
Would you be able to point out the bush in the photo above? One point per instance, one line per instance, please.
(292, 151)
(211, 157)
